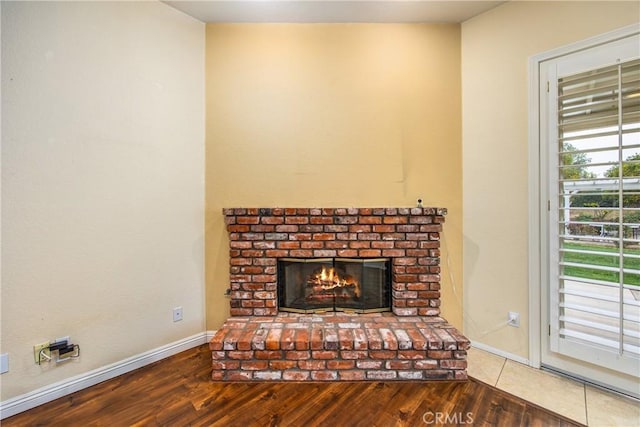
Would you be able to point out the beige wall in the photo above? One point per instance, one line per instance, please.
(102, 182)
(332, 115)
(495, 50)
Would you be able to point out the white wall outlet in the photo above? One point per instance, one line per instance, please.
(4, 363)
(513, 319)
(177, 314)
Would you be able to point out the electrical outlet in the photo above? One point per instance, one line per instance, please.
(513, 319)
(36, 352)
(177, 314)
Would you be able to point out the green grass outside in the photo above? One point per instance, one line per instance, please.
(595, 259)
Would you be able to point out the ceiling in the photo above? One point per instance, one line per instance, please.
(451, 11)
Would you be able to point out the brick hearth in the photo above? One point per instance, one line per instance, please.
(259, 343)
(333, 347)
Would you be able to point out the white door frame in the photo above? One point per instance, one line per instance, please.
(538, 256)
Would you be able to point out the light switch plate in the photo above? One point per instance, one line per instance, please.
(4, 363)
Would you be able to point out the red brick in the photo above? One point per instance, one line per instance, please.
(263, 228)
(217, 340)
(248, 220)
(393, 253)
(273, 339)
(254, 365)
(382, 244)
(226, 364)
(404, 261)
(347, 236)
(360, 228)
(312, 364)
(324, 253)
(275, 220)
(302, 339)
(240, 355)
(324, 375)
(288, 245)
(287, 339)
(383, 354)
(412, 354)
(360, 245)
(324, 236)
(283, 364)
(369, 364)
(336, 244)
(354, 375)
(296, 220)
(310, 244)
(217, 375)
(295, 375)
(302, 253)
(407, 278)
(398, 364)
(316, 339)
(240, 245)
(311, 228)
(348, 253)
(297, 355)
(439, 354)
(267, 375)
(354, 354)
(395, 220)
(321, 220)
(370, 220)
(405, 244)
(346, 339)
(238, 228)
(381, 375)
(369, 236)
(266, 354)
(276, 253)
(403, 228)
(438, 374)
(340, 364)
(263, 245)
(369, 253)
(324, 354)
(374, 339)
(453, 364)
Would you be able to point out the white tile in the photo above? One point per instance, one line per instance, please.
(606, 409)
(484, 366)
(555, 393)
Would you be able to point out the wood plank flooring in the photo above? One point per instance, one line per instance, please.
(178, 392)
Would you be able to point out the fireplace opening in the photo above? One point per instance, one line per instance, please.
(316, 285)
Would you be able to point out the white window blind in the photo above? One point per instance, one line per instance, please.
(599, 207)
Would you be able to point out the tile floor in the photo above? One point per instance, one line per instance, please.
(573, 399)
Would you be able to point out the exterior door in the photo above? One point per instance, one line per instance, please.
(590, 150)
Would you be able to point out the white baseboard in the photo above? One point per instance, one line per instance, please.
(500, 353)
(62, 388)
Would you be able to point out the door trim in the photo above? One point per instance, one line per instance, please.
(537, 197)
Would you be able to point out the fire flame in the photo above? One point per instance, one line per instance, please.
(330, 279)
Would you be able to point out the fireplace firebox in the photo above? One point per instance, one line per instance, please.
(316, 285)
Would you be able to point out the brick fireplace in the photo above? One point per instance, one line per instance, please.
(410, 342)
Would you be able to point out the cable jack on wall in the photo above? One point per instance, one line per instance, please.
(58, 351)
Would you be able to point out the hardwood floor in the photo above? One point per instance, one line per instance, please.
(177, 392)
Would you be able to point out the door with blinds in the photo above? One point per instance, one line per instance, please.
(592, 144)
